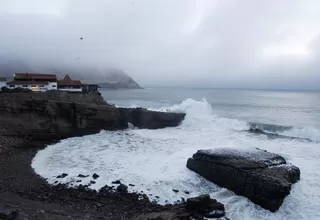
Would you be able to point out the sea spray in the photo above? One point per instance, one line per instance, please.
(154, 161)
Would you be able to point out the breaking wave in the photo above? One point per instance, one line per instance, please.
(154, 161)
(307, 133)
(202, 109)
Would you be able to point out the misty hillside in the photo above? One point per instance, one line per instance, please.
(107, 78)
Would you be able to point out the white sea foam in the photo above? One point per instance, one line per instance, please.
(303, 132)
(155, 162)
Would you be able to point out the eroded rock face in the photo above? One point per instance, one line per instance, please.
(57, 115)
(143, 118)
(265, 178)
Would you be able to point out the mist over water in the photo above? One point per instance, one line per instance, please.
(155, 160)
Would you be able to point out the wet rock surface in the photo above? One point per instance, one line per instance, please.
(116, 182)
(204, 205)
(62, 176)
(200, 207)
(95, 176)
(21, 188)
(143, 118)
(122, 188)
(83, 176)
(265, 178)
(8, 212)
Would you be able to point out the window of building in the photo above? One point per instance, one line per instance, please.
(24, 86)
(11, 86)
(33, 85)
(42, 86)
(54, 86)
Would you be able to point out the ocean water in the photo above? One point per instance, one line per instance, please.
(154, 161)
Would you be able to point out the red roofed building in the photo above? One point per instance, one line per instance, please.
(68, 84)
(34, 81)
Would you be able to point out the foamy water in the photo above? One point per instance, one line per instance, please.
(155, 161)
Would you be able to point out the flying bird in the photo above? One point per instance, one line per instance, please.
(81, 38)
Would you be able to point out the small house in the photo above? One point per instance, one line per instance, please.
(70, 85)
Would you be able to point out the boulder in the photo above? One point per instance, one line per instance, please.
(122, 188)
(8, 212)
(264, 178)
(95, 176)
(62, 176)
(204, 205)
(83, 176)
(116, 182)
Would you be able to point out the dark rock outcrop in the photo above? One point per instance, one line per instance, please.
(205, 206)
(143, 118)
(265, 178)
(122, 188)
(56, 115)
(116, 182)
(200, 207)
(62, 176)
(8, 212)
(83, 176)
(95, 176)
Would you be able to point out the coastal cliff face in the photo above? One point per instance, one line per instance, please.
(56, 115)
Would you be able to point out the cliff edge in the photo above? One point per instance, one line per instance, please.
(55, 115)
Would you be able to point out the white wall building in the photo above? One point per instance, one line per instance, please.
(3, 82)
(43, 82)
(36, 87)
(34, 81)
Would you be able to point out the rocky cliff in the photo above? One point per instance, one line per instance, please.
(56, 115)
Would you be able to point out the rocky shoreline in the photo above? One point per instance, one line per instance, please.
(33, 198)
(31, 121)
(22, 187)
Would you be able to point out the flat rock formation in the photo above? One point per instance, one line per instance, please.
(56, 115)
(143, 118)
(265, 178)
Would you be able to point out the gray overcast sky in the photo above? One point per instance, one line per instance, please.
(199, 43)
